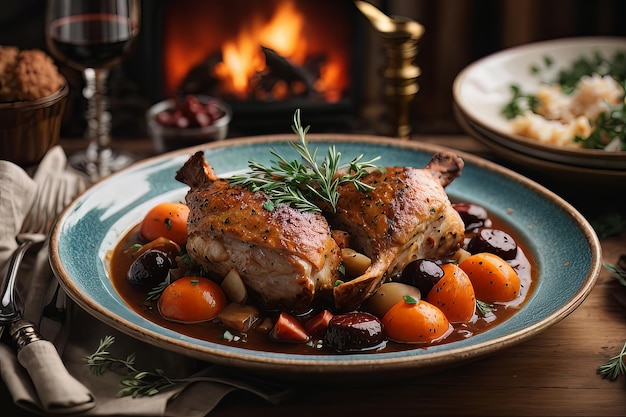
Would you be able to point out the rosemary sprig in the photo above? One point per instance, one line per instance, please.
(304, 183)
(156, 291)
(483, 308)
(614, 367)
(134, 383)
(617, 272)
(144, 384)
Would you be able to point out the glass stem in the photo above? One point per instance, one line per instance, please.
(98, 118)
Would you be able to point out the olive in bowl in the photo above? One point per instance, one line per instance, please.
(187, 121)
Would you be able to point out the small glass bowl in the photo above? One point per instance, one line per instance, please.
(168, 138)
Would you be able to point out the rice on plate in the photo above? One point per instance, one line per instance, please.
(583, 111)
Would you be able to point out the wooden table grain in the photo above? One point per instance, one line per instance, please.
(552, 374)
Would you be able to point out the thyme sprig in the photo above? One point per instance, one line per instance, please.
(304, 184)
(135, 383)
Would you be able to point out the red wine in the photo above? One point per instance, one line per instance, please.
(91, 40)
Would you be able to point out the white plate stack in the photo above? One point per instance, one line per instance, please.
(483, 88)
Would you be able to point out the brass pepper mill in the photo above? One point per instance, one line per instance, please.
(400, 74)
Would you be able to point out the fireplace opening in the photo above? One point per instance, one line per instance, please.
(264, 58)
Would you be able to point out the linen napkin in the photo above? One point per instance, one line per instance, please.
(78, 336)
(40, 381)
(13, 180)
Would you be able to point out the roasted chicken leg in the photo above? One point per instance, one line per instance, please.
(406, 216)
(287, 257)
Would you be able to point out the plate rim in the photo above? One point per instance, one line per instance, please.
(554, 169)
(514, 153)
(336, 364)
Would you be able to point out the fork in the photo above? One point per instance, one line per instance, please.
(34, 232)
(54, 310)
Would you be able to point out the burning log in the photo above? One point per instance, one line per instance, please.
(280, 79)
(199, 79)
(280, 69)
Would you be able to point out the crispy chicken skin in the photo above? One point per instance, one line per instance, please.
(286, 257)
(407, 216)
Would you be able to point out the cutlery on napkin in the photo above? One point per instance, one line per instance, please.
(77, 337)
(36, 378)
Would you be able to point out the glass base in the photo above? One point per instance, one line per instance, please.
(97, 163)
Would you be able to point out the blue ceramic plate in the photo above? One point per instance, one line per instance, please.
(560, 239)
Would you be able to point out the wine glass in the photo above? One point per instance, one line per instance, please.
(92, 37)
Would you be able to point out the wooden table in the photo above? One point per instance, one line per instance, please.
(553, 374)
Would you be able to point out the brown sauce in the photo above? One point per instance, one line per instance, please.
(135, 297)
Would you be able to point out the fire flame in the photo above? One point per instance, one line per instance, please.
(241, 60)
(242, 57)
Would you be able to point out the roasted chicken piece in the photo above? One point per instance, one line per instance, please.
(407, 216)
(287, 257)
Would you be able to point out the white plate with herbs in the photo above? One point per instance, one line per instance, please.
(483, 93)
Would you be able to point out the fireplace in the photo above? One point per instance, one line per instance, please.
(265, 58)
